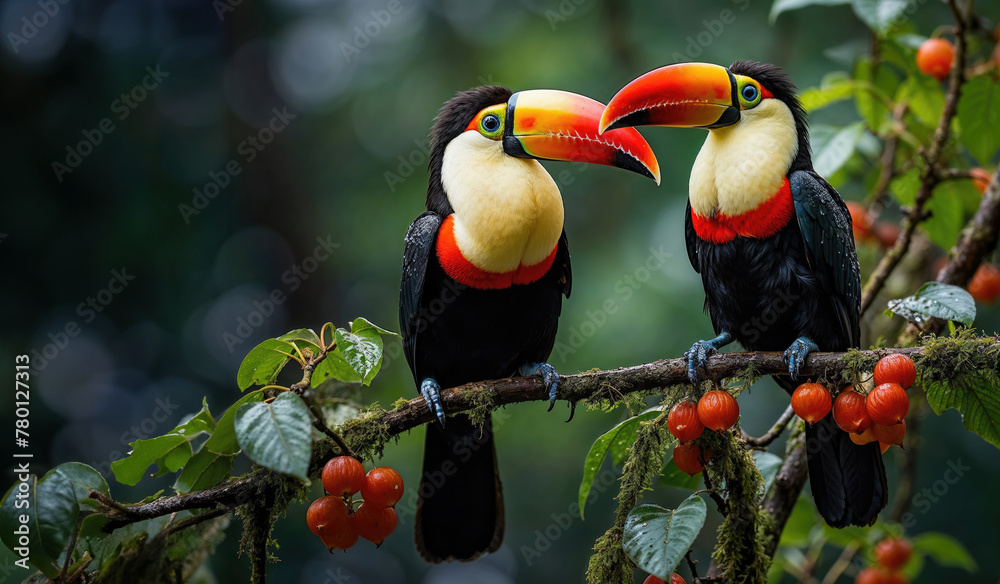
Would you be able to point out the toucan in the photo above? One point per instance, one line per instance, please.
(484, 272)
(772, 242)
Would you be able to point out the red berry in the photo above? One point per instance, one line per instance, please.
(887, 233)
(343, 476)
(871, 575)
(811, 402)
(327, 515)
(374, 523)
(343, 539)
(887, 404)
(861, 224)
(862, 438)
(718, 410)
(896, 368)
(895, 578)
(683, 421)
(892, 434)
(893, 553)
(985, 284)
(935, 57)
(980, 177)
(849, 411)
(383, 487)
(675, 578)
(689, 458)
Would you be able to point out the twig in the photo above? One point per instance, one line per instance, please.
(693, 566)
(787, 485)
(720, 503)
(930, 177)
(842, 563)
(772, 434)
(194, 520)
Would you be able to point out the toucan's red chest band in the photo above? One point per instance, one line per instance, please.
(463, 271)
(767, 219)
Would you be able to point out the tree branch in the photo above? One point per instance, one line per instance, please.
(772, 434)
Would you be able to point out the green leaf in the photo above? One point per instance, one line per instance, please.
(362, 349)
(870, 95)
(768, 464)
(832, 147)
(880, 15)
(363, 323)
(624, 434)
(975, 396)
(947, 216)
(169, 451)
(904, 187)
(925, 98)
(336, 367)
(223, 439)
(18, 503)
(277, 435)
(979, 116)
(657, 539)
(945, 550)
(130, 470)
(780, 6)
(263, 363)
(59, 497)
(675, 477)
(205, 469)
(836, 86)
(937, 300)
(302, 336)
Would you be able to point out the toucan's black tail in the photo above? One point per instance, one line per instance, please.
(848, 480)
(460, 501)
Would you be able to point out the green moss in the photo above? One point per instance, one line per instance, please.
(949, 358)
(740, 545)
(609, 564)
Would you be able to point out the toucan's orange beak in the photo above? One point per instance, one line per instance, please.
(558, 125)
(685, 95)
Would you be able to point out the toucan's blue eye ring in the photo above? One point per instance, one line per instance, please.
(749, 92)
(490, 123)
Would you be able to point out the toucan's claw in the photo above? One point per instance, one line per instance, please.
(549, 377)
(796, 355)
(699, 352)
(431, 392)
(572, 411)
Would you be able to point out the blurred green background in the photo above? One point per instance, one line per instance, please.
(306, 120)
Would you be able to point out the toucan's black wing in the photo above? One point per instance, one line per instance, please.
(562, 265)
(419, 245)
(825, 224)
(691, 238)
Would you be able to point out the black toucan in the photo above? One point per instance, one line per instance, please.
(484, 272)
(772, 241)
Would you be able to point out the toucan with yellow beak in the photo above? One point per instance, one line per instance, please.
(484, 272)
(772, 241)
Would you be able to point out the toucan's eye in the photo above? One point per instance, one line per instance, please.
(749, 92)
(490, 123)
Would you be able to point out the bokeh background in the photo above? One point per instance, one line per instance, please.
(283, 123)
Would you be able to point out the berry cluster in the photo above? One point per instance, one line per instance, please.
(891, 554)
(716, 410)
(879, 415)
(333, 517)
(674, 579)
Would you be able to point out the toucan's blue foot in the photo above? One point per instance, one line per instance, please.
(697, 355)
(795, 355)
(431, 392)
(549, 376)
